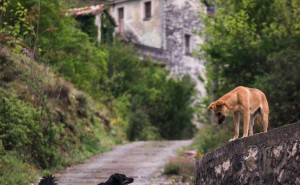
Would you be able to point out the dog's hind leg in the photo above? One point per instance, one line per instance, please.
(265, 114)
(265, 121)
(252, 119)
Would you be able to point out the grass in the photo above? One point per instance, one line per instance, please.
(181, 168)
(13, 170)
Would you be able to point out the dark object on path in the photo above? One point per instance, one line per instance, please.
(118, 179)
(48, 180)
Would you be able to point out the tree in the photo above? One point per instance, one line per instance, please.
(65, 47)
(255, 43)
(13, 24)
(160, 105)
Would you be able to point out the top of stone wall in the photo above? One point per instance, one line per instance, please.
(277, 135)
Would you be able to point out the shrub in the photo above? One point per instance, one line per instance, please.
(171, 169)
(21, 130)
(212, 136)
(140, 127)
(180, 166)
(13, 170)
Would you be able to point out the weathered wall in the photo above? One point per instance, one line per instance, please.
(181, 17)
(148, 32)
(271, 158)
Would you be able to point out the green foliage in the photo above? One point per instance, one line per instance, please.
(17, 121)
(13, 23)
(86, 23)
(162, 103)
(254, 43)
(171, 169)
(13, 170)
(140, 127)
(212, 136)
(125, 70)
(43, 120)
(65, 47)
(284, 93)
(182, 167)
(169, 106)
(107, 28)
(21, 130)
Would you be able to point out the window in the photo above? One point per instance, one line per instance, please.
(210, 11)
(187, 40)
(147, 10)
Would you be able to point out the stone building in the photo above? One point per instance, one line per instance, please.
(165, 30)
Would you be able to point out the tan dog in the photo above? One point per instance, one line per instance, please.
(251, 102)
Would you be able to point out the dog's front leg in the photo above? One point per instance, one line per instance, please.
(236, 121)
(246, 123)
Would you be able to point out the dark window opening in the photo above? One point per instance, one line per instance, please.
(147, 10)
(187, 40)
(210, 11)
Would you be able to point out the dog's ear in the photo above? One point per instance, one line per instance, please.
(212, 106)
(220, 102)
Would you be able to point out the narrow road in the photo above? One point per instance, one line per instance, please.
(140, 160)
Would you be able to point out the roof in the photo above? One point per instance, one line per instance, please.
(94, 10)
(118, 1)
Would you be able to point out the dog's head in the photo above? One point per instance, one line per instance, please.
(118, 179)
(221, 110)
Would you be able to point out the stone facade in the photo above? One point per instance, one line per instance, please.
(181, 18)
(265, 158)
(163, 36)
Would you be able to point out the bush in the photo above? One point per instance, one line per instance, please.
(172, 169)
(180, 166)
(21, 130)
(13, 170)
(140, 127)
(212, 136)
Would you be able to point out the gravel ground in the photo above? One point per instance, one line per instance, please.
(141, 160)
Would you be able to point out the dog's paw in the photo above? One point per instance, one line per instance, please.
(232, 139)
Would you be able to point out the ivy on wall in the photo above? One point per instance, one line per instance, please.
(107, 28)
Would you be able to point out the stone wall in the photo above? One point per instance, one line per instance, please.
(265, 158)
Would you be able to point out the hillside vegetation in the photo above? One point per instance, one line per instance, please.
(63, 98)
(44, 120)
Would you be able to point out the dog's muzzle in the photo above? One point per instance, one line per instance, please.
(128, 181)
(221, 119)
